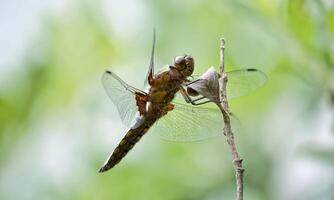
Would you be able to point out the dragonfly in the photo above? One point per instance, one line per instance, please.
(167, 108)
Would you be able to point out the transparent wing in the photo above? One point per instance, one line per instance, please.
(150, 72)
(122, 95)
(187, 123)
(244, 81)
(241, 82)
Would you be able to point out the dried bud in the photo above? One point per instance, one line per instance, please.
(207, 85)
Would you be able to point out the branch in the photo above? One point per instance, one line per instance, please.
(223, 106)
(212, 85)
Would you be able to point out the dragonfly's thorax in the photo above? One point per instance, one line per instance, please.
(165, 86)
(162, 91)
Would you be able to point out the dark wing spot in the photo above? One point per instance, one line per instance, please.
(251, 70)
(109, 72)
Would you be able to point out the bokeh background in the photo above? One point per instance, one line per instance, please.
(57, 125)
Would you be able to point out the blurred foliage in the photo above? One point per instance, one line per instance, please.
(321, 153)
(57, 92)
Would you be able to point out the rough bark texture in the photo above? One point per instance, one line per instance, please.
(223, 105)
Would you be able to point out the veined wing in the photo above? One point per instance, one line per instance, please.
(240, 82)
(122, 95)
(244, 81)
(187, 123)
(150, 73)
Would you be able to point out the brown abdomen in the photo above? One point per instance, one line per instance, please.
(126, 144)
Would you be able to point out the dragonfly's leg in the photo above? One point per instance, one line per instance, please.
(188, 99)
(185, 95)
(200, 98)
(201, 103)
(192, 82)
(195, 101)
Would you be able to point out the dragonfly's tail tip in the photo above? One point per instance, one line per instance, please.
(103, 169)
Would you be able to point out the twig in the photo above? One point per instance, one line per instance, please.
(223, 106)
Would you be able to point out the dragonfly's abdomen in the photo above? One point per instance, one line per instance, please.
(126, 144)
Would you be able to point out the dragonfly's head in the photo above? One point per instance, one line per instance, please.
(184, 65)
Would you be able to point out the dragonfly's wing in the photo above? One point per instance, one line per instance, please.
(186, 123)
(150, 72)
(122, 95)
(240, 82)
(244, 81)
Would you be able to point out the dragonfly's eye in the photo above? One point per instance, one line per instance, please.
(189, 60)
(184, 64)
(180, 62)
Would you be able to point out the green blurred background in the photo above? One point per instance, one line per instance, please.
(57, 125)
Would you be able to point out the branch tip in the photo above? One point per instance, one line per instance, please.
(222, 43)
